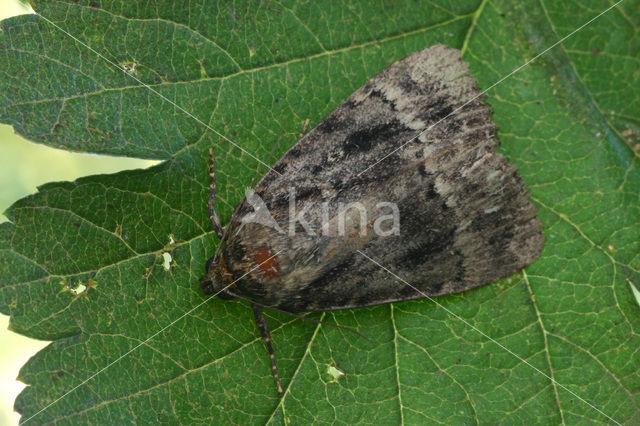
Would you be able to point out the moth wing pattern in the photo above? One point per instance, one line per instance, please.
(465, 217)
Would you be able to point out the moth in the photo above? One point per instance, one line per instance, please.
(417, 139)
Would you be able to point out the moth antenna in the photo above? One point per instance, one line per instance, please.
(213, 214)
(261, 322)
(302, 317)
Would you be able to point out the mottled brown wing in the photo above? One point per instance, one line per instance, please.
(465, 216)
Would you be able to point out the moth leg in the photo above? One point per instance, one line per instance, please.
(261, 322)
(213, 214)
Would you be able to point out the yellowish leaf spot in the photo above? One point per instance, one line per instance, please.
(334, 372)
(167, 261)
(129, 67)
(79, 289)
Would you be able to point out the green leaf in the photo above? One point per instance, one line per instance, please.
(83, 263)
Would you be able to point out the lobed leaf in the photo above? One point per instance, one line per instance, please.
(81, 263)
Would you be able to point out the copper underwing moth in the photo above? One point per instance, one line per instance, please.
(455, 215)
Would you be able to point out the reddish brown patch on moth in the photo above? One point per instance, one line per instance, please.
(266, 262)
(333, 250)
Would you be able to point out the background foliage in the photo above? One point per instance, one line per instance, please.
(24, 166)
(81, 262)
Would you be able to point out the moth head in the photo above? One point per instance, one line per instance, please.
(217, 278)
